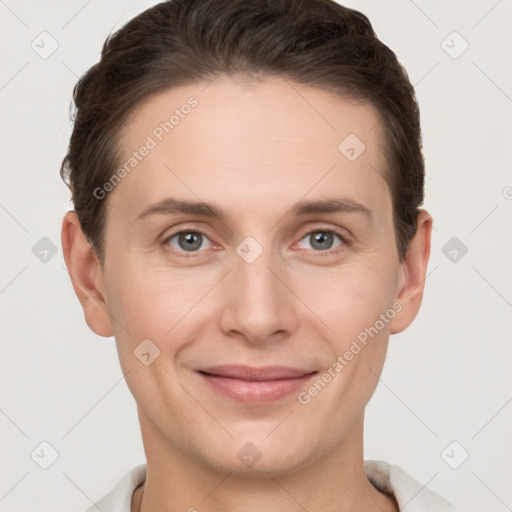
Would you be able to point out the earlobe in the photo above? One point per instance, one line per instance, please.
(412, 274)
(86, 275)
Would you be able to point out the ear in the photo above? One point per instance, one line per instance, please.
(413, 274)
(86, 275)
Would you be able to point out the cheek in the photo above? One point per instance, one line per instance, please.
(351, 300)
(167, 307)
(145, 309)
(357, 307)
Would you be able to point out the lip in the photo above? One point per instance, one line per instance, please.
(255, 385)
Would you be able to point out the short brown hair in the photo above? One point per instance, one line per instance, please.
(312, 42)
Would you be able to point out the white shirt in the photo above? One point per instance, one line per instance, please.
(383, 476)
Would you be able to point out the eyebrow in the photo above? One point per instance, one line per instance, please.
(172, 206)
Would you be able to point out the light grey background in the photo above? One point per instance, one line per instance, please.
(447, 378)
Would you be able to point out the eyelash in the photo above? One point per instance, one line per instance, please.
(343, 238)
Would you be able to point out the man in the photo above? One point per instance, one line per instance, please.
(247, 179)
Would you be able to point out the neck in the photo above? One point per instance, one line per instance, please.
(334, 482)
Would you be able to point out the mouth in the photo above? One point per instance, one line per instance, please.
(255, 385)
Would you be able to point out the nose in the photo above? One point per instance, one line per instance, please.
(260, 305)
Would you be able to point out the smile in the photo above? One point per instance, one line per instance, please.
(253, 385)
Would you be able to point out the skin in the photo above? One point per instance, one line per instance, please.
(254, 149)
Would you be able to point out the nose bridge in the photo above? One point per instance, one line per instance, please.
(259, 303)
(257, 284)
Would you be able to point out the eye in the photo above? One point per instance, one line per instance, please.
(321, 240)
(187, 241)
(191, 240)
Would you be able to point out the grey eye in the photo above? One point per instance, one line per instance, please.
(188, 241)
(322, 240)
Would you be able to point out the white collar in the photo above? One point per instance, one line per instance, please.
(383, 476)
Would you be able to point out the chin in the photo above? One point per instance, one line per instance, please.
(270, 465)
(258, 458)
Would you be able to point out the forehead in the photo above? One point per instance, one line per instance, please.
(244, 141)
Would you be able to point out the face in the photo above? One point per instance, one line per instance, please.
(292, 263)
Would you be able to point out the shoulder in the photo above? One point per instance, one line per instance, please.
(394, 480)
(119, 499)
